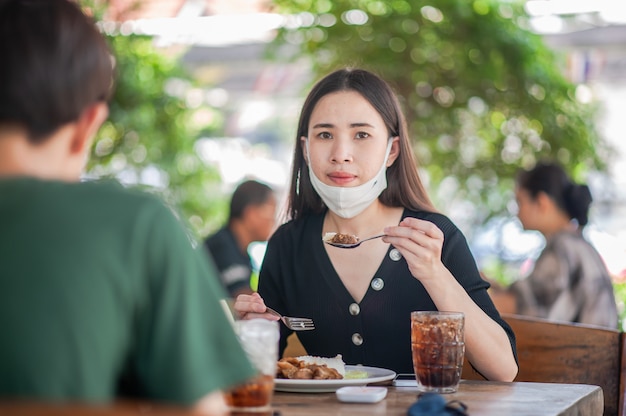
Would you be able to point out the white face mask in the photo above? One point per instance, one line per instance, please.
(348, 202)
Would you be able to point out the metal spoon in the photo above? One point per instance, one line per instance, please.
(351, 245)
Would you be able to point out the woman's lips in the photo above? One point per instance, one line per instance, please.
(341, 178)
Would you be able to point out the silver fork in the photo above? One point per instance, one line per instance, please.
(295, 324)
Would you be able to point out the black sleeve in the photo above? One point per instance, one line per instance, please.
(458, 259)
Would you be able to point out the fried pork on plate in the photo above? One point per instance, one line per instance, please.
(309, 368)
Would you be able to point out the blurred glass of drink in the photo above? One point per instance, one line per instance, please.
(438, 346)
(259, 338)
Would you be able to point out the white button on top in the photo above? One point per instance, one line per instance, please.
(377, 284)
(395, 255)
(357, 339)
(354, 309)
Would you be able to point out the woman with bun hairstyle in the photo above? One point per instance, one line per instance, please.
(569, 281)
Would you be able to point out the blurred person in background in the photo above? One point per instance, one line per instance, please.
(569, 281)
(252, 218)
(102, 295)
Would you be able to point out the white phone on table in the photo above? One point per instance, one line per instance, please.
(405, 380)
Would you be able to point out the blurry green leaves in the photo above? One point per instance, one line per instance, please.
(151, 131)
(483, 96)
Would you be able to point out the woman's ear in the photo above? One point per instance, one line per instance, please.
(544, 202)
(305, 153)
(395, 150)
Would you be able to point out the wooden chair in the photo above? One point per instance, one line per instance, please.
(570, 353)
(504, 302)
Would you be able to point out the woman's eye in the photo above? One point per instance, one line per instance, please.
(362, 135)
(325, 135)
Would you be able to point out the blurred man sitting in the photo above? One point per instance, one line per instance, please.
(251, 219)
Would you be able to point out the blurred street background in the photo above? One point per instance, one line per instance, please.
(489, 87)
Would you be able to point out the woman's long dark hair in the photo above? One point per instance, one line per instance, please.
(404, 186)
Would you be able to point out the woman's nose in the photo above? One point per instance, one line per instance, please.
(341, 152)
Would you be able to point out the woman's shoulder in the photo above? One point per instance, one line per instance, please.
(569, 241)
(290, 229)
(566, 239)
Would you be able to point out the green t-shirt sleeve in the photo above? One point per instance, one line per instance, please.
(186, 346)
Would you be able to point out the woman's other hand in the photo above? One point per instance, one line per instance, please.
(252, 306)
(420, 242)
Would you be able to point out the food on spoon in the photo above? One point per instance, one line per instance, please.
(311, 368)
(339, 238)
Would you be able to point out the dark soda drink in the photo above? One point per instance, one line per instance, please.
(438, 347)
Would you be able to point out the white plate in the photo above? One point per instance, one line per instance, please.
(374, 375)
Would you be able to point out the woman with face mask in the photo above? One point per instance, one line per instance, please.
(354, 173)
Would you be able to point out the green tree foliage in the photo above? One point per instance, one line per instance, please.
(483, 95)
(149, 137)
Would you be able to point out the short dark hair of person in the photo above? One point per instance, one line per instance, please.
(404, 186)
(551, 179)
(248, 193)
(51, 71)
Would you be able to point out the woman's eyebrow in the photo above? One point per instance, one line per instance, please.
(323, 126)
(330, 125)
(361, 125)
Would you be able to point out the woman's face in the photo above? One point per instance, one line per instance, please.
(347, 140)
(527, 209)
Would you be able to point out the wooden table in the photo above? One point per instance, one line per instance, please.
(483, 398)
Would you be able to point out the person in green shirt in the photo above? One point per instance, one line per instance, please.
(102, 293)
